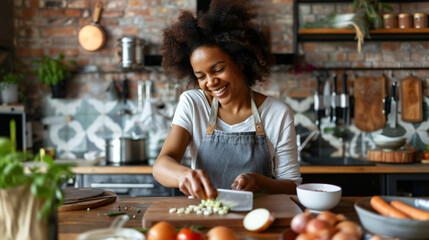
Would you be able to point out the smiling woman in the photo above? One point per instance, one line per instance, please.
(239, 138)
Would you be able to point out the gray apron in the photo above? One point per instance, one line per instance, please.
(225, 155)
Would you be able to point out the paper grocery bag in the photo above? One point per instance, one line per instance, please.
(18, 215)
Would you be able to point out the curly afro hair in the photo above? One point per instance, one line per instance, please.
(227, 24)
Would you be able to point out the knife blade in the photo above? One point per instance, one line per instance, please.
(344, 101)
(393, 107)
(327, 98)
(318, 103)
(235, 200)
(334, 104)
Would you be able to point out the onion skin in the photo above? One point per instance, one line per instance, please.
(300, 221)
(319, 228)
(330, 217)
(162, 231)
(221, 233)
(305, 236)
(344, 236)
(349, 227)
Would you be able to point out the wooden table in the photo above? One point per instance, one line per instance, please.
(72, 223)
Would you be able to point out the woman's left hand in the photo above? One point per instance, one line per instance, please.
(247, 182)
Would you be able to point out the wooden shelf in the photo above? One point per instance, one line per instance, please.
(350, 1)
(397, 34)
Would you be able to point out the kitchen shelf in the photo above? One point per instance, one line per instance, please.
(397, 34)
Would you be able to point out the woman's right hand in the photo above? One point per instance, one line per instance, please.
(196, 183)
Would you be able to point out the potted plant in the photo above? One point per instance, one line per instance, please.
(9, 82)
(373, 9)
(54, 73)
(29, 195)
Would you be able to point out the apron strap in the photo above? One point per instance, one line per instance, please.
(213, 117)
(258, 124)
(259, 128)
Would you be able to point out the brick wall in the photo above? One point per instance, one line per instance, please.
(48, 27)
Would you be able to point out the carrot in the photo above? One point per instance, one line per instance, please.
(413, 212)
(386, 209)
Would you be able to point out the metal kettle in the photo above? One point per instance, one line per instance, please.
(129, 51)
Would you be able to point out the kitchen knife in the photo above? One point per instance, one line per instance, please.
(334, 100)
(235, 200)
(318, 103)
(393, 107)
(344, 101)
(327, 98)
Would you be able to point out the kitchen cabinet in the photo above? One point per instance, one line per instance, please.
(407, 184)
(381, 179)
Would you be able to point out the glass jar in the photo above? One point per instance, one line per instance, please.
(404, 20)
(390, 21)
(420, 20)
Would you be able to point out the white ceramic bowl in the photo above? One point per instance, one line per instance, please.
(389, 143)
(393, 227)
(319, 196)
(112, 234)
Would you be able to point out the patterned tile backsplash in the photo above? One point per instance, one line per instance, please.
(85, 123)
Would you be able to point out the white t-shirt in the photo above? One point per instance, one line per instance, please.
(192, 113)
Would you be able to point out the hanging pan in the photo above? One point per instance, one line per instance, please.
(92, 36)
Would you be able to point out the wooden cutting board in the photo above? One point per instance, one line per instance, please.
(368, 99)
(411, 99)
(83, 203)
(280, 205)
(74, 194)
(397, 156)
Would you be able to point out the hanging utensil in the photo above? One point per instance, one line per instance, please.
(318, 103)
(92, 37)
(334, 104)
(368, 103)
(344, 102)
(411, 99)
(393, 107)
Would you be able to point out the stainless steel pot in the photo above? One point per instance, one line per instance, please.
(129, 51)
(125, 150)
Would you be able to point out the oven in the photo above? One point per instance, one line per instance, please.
(16, 113)
(126, 185)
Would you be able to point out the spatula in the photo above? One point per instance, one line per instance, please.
(235, 200)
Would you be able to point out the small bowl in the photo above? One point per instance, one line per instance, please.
(389, 143)
(393, 227)
(319, 197)
(112, 233)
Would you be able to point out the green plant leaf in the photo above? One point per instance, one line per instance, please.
(44, 182)
(53, 70)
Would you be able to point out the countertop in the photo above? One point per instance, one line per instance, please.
(72, 223)
(378, 168)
